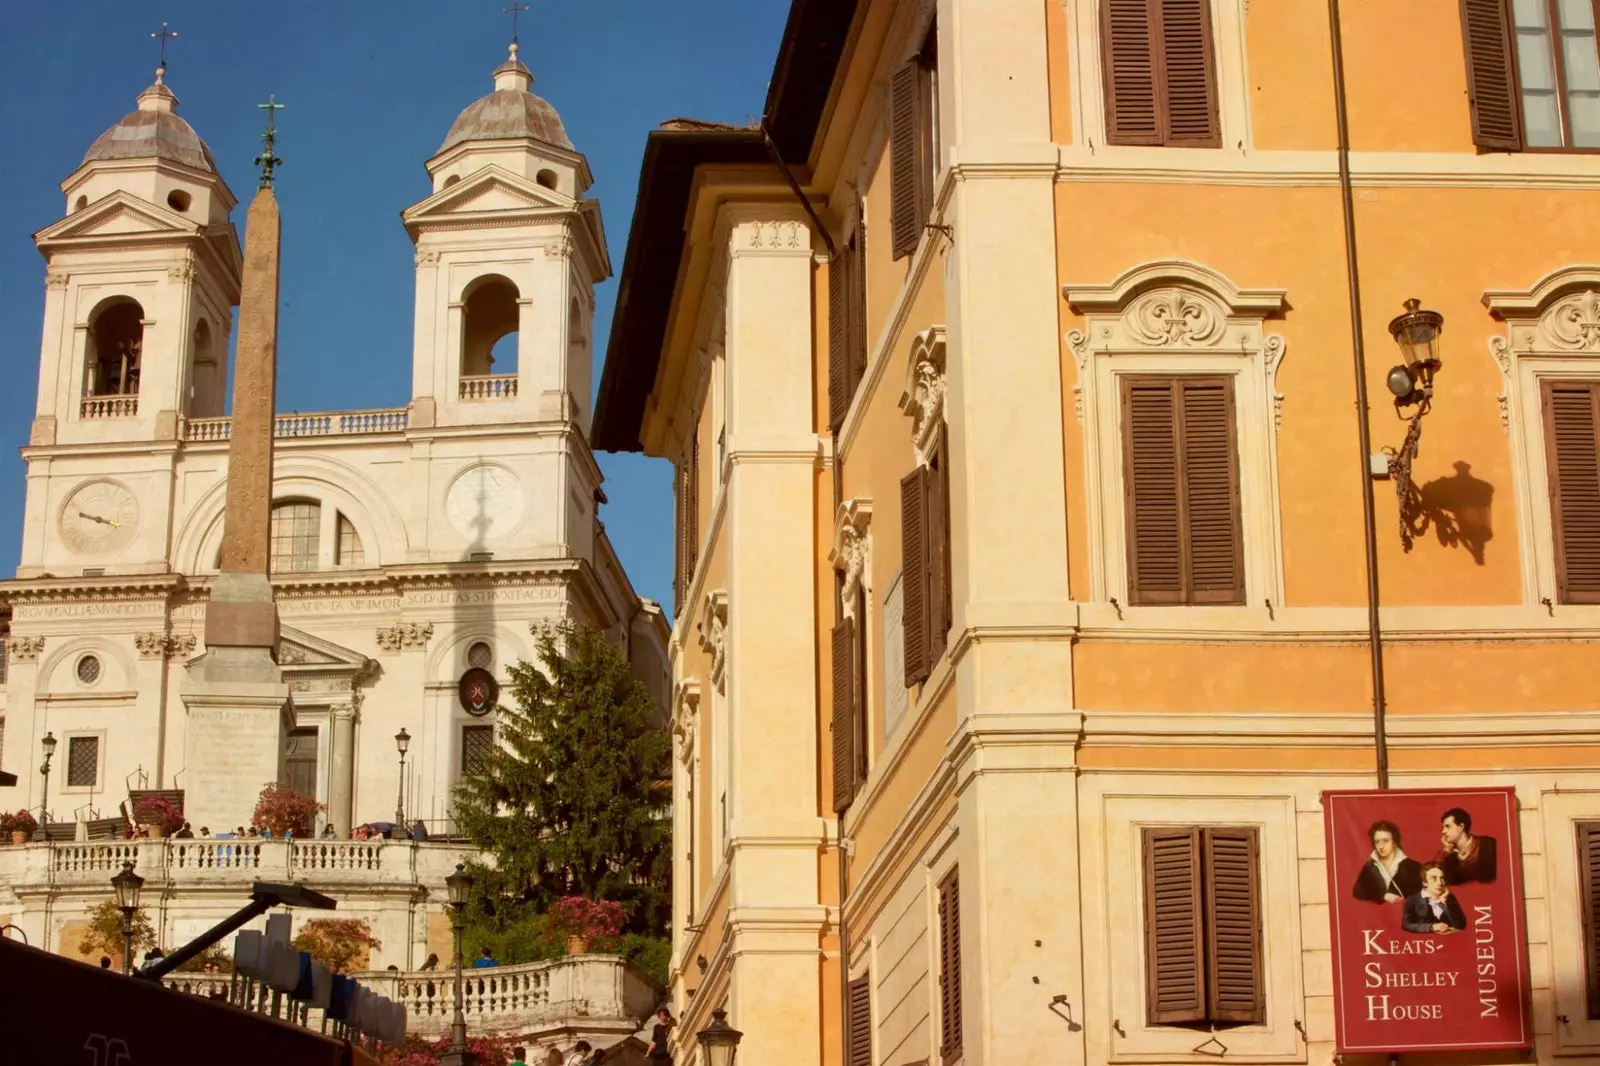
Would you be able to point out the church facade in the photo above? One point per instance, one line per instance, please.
(409, 545)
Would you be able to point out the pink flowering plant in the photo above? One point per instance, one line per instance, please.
(281, 810)
(598, 921)
(154, 810)
(21, 822)
(420, 1051)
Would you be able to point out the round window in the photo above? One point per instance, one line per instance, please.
(480, 656)
(88, 669)
(178, 200)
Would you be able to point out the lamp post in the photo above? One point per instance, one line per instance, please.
(458, 885)
(127, 885)
(719, 1041)
(402, 741)
(1417, 333)
(49, 745)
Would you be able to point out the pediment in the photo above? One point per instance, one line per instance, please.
(120, 214)
(492, 189)
(299, 651)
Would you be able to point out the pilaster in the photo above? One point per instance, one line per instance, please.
(341, 766)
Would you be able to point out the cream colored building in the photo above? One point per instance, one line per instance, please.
(408, 544)
(947, 642)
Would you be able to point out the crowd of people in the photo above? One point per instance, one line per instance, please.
(365, 831)
(585, 1054)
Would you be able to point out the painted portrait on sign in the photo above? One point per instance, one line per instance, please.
(1429, 946)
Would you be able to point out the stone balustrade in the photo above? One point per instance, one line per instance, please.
(593, 996)
(489, 387)
(109, 407)
(324, 863)
(312, 424)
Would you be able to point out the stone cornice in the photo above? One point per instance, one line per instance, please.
(76, 589)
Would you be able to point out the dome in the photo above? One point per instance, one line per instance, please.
(153, 131)
(510, 112)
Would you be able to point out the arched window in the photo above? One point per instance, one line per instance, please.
(489, 327)
(116, 339)
(296, 537)
(350, 553)
(207, 380)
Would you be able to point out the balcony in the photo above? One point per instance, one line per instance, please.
(109, 407)
(602, 998)
(315, 424)
(327, 865)
(489, 387)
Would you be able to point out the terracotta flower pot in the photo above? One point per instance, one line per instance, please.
(156, 830)
(19, 836)
(577, 945)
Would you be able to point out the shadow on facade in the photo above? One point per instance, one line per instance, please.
(1458, 508)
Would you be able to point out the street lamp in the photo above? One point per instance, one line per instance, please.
(49, 745)
(402, 741)
(458, 885)
(719, 1041)
(1417, 333)
(127, 885)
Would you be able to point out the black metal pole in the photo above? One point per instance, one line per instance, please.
(1380, 729)
(44, 795)
(127, 939)
(207, 938)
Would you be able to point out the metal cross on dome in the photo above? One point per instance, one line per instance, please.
(268, 159)
(163, 35)
(514, 10)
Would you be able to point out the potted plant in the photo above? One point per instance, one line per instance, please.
(157, 815)
(22, 826)
(581, 921)
(282, 811)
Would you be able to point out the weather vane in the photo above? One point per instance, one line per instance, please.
(514, 10)
(163, 34)
(268, 159)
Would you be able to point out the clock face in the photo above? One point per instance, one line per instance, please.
(100, 517)
(484, 503)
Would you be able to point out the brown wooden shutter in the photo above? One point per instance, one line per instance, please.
(937, 533)
(1492, 95)
(1174, 974)
(859, 1024)
(844, 715)
(839, 330)
(694, 507)
(1189, 77)
(906, 223)
(1572, 447)
(914, 574)
(1181, 486)
(1233, 926)
(1211, 491)
(680, 532)
(856, 301)
(1160, 73)
(950, 967)
(1150, 487)
(1589, 875)
(1129, 65)
(861, 721)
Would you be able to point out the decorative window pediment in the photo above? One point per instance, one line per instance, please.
(922, 399)
(852, 549)
(713, 629)
(1174, 317)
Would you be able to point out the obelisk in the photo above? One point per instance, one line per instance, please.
(238, 704)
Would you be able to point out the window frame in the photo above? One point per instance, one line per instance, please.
(293, 537)
(1160, 89)
(1559, 69)
(474, 728)
(98, 785)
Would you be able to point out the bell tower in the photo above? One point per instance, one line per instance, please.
(142, 273)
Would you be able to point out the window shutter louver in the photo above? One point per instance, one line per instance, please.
(936, 531)
(1492, 96)
(1189, 79)
(1173, 938)
(1150, 488)
(859, 1024)
(1129, 63)
(950, 968)
(904, 220)
(857, 302)
(694, 509)
(840, 315)
(1211, 492)
(1572, 443)
(914, 579)
(679, 586)
(1233, 927)
(844, 715)
(1589, 874)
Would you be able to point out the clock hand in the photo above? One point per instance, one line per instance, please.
(97, 518)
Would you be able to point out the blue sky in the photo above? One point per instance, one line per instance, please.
(371, 89)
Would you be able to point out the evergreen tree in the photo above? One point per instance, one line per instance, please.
(574, 800)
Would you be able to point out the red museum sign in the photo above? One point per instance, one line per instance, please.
(1425, 902)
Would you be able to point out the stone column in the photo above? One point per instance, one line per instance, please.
(239, 706)
(342, 766)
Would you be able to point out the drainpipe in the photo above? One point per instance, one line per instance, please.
(838, 498)
(1363, 422)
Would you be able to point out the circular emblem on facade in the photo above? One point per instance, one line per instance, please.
(484, 503)
(480, 692)
(99, 518)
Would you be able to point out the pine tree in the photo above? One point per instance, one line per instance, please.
(574, 799)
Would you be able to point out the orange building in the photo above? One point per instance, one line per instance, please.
(1009, 374)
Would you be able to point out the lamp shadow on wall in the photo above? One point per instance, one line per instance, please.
(1458, 508)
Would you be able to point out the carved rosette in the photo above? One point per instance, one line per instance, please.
(1176, 317)
(405, 635)
(24, 649)
(559, 249)
(852, 554)
(55, 280)
(163, 645)
(1573, 324)
(713, 629)
(922, 399)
